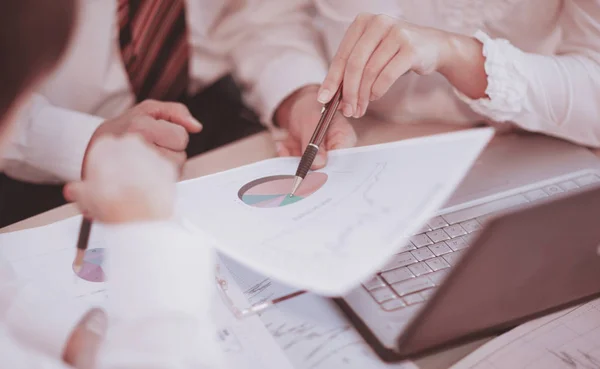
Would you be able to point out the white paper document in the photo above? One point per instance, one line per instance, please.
(347, 219)
(44, 256)
(311, 331)
(307, 332)
(569, 339)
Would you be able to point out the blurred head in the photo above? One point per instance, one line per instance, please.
(33, 36)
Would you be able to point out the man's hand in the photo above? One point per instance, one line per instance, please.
(299, 115)
(85, 340)
(162, 124)
(126, 181)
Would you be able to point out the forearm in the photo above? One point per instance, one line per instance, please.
(464, 66)
(275, 54)
(551, 94)
(49, 143)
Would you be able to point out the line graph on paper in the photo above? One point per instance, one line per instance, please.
(359, 197)
(569, 339)
(367, 208)
(309, 329)
(375, 209)
(314, 335)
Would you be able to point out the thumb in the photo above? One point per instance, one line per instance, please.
(176, 113)
(341, 135)
(320, 160)
(76, 192)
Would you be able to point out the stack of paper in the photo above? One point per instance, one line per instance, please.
(45, 255)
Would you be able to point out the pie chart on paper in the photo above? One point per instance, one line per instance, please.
(274, 191)
(91, 270)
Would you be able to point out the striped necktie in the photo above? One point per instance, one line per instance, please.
(155, 48)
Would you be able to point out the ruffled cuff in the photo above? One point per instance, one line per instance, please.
(507, 86)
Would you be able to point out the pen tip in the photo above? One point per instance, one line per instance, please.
(297, 182)
(78, 263)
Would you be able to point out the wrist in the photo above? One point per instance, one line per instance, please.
(451, 45)
(463, 65)
(97, 133)
(283, 113)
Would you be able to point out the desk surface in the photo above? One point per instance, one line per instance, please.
(259, 147)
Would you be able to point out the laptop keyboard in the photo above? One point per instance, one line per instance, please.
(411, 276)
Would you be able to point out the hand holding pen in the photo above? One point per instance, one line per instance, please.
(126, 181)
(327, 113)
(297, 116)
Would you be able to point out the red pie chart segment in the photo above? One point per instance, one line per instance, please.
(273, 192)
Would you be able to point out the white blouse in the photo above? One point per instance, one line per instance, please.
(542, 62)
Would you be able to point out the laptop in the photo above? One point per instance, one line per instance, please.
(518, 239)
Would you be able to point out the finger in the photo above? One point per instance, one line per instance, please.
(400, 64)
(320, 160)
(341, 136)
(338, 64)
(376, 31)
(162, 133)
(69, 191)
(281, 149)
(176, 157)
(173, 112)
(75, 192)
(382, 55)
(290, 146)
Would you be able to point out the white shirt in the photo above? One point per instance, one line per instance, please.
(155, 319)
(542, 61)
(269, 46)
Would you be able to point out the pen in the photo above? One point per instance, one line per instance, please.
(327, 114)
(82, 243)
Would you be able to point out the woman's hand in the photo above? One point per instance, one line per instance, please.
(378, 49)
(299, 115)
(126, 181)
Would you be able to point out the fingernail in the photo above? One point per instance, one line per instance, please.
(278, 147)
(324, 96)
(348, 110)
(319, 161)
(196, 122)
(357, 113)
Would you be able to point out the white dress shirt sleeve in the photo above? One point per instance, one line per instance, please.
(554, 94)
(48, 143)
(161, 281)
(275, 50)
